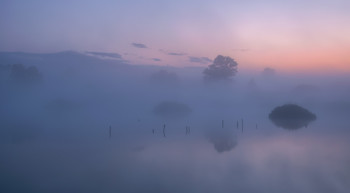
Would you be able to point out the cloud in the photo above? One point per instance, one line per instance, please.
(176, 54)
(156, 59)
(106, 54)
(138, 45)
(202, 60)
(130, 54)
(171, 53)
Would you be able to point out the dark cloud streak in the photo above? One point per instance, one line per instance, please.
(138, 45)
(106, 54)
(156, 59)
(172, 53)
(202, 60)
(176, 54)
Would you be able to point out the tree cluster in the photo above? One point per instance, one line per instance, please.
(22, 74)
(223, 68)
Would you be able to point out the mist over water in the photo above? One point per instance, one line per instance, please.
(97, 125)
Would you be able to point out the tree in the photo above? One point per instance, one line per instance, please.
(172, 109)
(163, 76)
(22, 74)
(268, 72)
(291, 116)
(223, 68)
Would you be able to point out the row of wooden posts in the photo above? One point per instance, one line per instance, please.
(188, 128)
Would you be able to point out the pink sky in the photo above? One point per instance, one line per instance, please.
(286, 35)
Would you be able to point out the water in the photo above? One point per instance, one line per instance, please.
(263, 159)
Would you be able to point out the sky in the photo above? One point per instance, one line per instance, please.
(289, 35)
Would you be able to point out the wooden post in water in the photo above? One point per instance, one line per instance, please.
(110, 132)
(164, 130)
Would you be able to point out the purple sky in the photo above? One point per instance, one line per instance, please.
(290, 34)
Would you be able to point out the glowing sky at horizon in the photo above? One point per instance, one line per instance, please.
(287, 35)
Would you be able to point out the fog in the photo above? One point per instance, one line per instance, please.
(90, 122)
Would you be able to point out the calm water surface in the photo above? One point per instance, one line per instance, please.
(210, 158)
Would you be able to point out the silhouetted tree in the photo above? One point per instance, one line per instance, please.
(291, 116)
(171, 109)
(163, 76)
(223, 68)
(268, 72)
(21, 74)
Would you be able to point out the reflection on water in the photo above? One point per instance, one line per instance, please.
(264, 161)
(291, 116)
(276, 163)
(223, 140)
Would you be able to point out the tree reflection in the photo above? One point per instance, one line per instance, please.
(223, 140)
